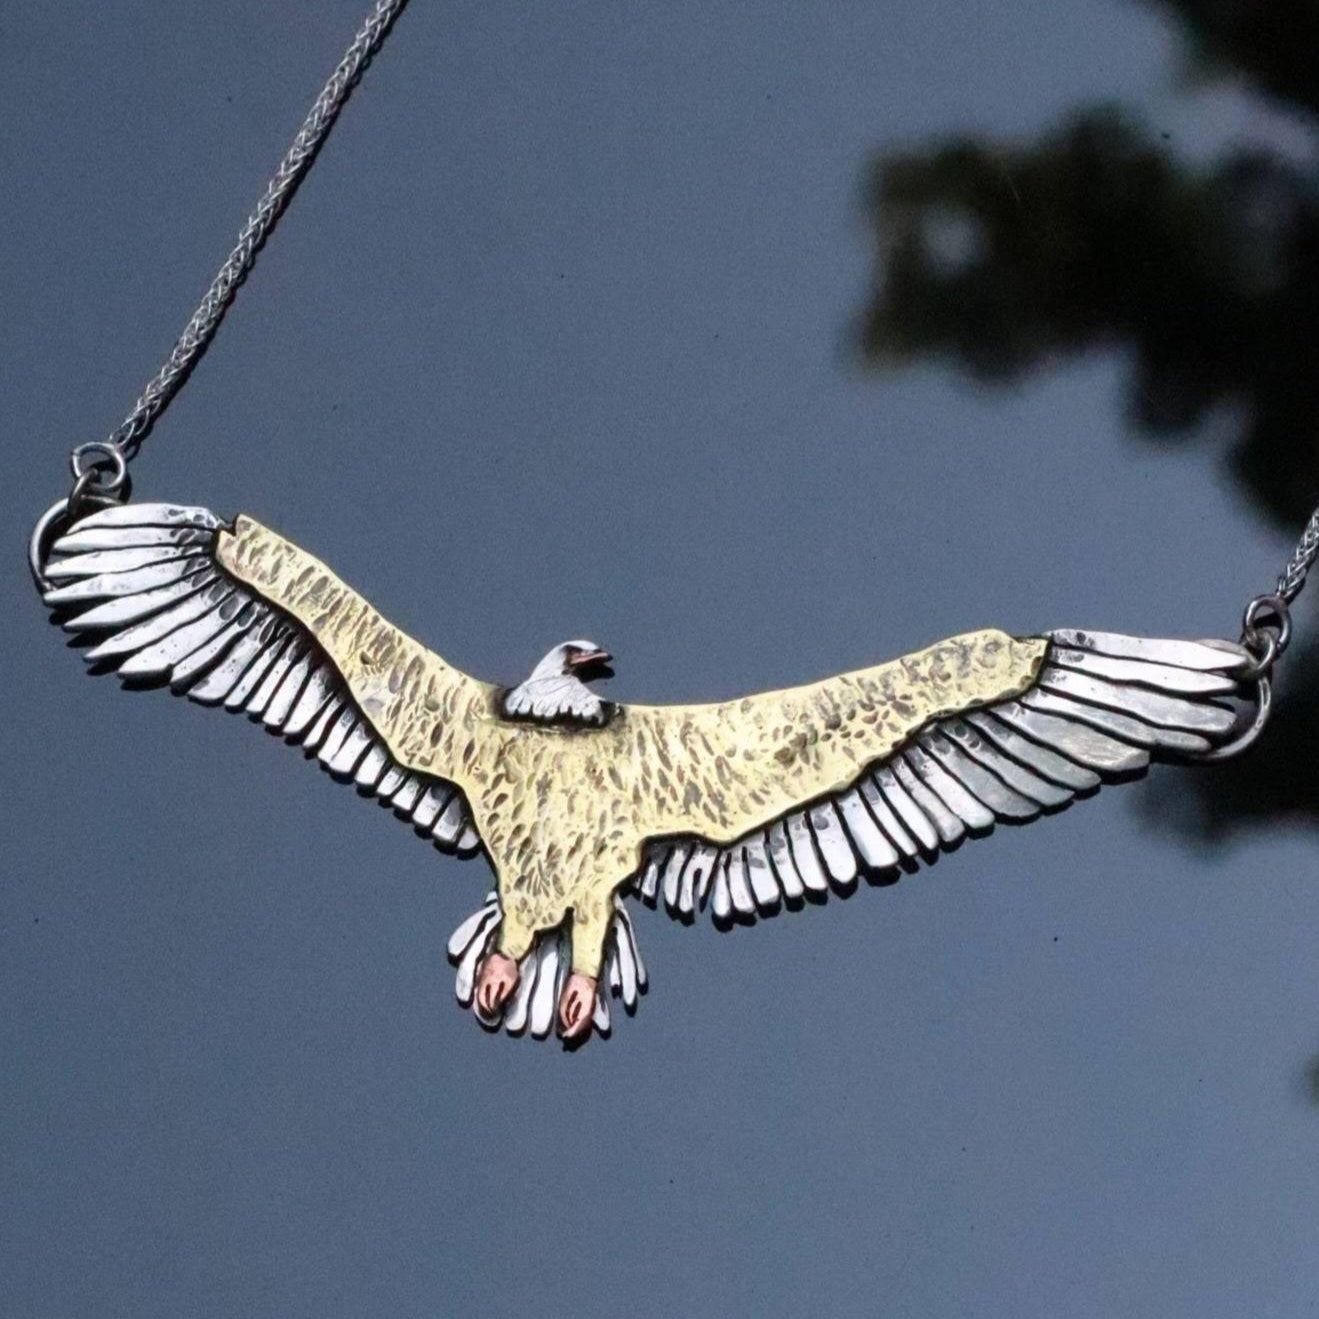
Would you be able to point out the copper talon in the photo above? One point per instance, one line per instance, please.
(498, 978)
(575, 1005)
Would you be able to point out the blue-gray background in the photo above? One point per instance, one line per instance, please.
(555, 340)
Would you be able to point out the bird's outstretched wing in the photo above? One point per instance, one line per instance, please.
(1098, 706)
(143, 585)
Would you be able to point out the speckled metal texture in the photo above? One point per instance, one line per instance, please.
(564, 812)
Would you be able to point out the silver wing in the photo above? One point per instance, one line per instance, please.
(1103, 707)
(140, 583)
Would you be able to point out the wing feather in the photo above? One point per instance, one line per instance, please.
(671, 876)
(115, 585)
(119, 611)
(722, 903)
(451, 824)
(150, 515)
(1102, 707)
(831, 841)
(373, 768)
(804, 857)
(760, 875)
(94, 562)
(271, 636)
(780, 858)
(955, 795)
(187, 670)
(142, 584)
(159, 625)
(546, 992)
(1020, 779)
(1075, 739)
(1045, 762)
(874, 845)
(320, 729)
(894, 832)
(1213, 656)
(922, 827)
(744, 900)
(112, 538)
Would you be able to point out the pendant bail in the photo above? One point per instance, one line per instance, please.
(99, 467)
(1249, 735)
(100, 479)
(1266, 631)
(100, 476)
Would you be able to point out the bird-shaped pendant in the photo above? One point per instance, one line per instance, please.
(742, 808)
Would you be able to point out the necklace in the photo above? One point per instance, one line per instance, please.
(579, 805)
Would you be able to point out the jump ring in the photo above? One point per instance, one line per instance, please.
(102, 460)
(1264, 607)
(1261, 660)
(84, 483)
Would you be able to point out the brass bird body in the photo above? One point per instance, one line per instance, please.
(741, 808)
(565, 812)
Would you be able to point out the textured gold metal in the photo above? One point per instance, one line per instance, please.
(564, 812)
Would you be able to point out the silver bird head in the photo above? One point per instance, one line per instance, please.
(556, 691)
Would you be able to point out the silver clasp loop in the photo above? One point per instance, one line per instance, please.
(52, 524)
(1248, 736)
(1269, 612)
(100, 472)
(1266, 631)
(100, 478)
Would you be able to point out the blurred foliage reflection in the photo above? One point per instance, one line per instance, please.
(1002, 258)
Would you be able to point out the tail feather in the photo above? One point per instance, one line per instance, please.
(543, 971)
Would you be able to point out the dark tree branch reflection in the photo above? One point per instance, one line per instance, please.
(1003, 258)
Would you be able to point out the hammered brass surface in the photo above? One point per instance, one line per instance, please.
(564, 812)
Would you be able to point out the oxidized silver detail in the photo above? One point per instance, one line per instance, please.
(1246, 739)
(159, 593)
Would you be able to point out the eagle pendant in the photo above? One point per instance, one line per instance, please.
(741, 808)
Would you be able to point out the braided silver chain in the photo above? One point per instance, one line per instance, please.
(1266, 632)
(1302, 560)
(100, 469)
(106, 459)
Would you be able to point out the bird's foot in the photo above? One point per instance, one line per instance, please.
(576, 1005)
(498, 978)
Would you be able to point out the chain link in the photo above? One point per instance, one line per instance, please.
(1266, 632)
(124, 442)
(1266, 628)
(100, 469)
(1303, 557)
(127, 437)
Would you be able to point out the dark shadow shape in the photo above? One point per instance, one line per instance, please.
(1004, 258)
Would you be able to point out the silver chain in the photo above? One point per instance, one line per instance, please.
(1266, 628)
(1303, 557)
(101, 468)
(1266, 632)
(107, 459)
